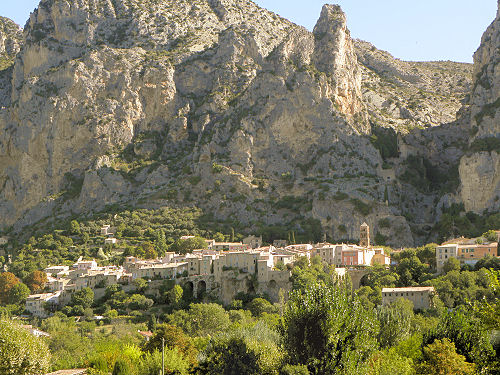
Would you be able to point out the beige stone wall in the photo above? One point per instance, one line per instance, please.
(421, 300)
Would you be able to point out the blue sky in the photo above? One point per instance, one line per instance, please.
(419, 30)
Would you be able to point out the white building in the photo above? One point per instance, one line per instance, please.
(83, 265)
(35, 303)
(443, 253)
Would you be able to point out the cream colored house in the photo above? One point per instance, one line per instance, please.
(35, 303)
(421, 296)
(160, 271)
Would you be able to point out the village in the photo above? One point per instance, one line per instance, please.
(224, 269)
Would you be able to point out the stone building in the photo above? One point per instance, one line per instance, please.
(466, 251)
(422, 296)
(35, 303)
(364, 235)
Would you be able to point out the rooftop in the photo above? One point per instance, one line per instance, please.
(409, 289)
(79, 371)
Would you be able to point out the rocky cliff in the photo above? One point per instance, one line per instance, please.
(221, 104)
(480, 167)
(10, 44)
(10, 40)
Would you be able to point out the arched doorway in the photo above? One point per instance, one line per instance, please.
(202, 289)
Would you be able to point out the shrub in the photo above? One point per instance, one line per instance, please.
(21, 352)
(216, 168)
(488, 144)
(361, 207)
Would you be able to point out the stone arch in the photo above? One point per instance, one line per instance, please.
(202, 289)
(273, 284)
(188, 290)
(251, 285)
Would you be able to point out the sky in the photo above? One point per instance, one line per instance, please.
(416, 30)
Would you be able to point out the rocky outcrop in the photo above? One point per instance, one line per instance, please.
(479, 168)
(10, 44)
(480, 188)
(408, 95)
(485, 98)
(217, 103)
(10, 38)
(112, 102)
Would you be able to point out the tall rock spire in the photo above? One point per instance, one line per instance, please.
(334, 54)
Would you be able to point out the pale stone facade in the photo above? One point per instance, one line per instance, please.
(422, 297)
(35, 303)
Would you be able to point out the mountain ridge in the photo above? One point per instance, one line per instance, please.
(254, 117)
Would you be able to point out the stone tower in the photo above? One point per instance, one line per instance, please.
(364, 235)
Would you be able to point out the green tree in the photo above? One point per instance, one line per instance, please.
(258, 306)
(147, 251)
(201, 319)
(21, 353)
(295, 370)
(389, 362)
(467, 333)
(175, 338)
(84, 298)
(229, 357)
(18, 294)
(160, 241)
(174, 295)
(219, 237)
(491, 236)
(138, 302)
(410, 269)
(175, 364)
(121, 367)
(141, 284)
(188, 245)
(74, 227)
(85, 237)
(441, 358)
(489, 312)
(112, 289)
(395, 322)
(327, 329)
(452, 264)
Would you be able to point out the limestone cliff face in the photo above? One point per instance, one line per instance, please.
(10, 44)
(10, 38)
(485, 98)
(480, 168)
(407, 95)
(213, 102)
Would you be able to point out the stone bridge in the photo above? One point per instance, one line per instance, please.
(356, 275)
(198, 285)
